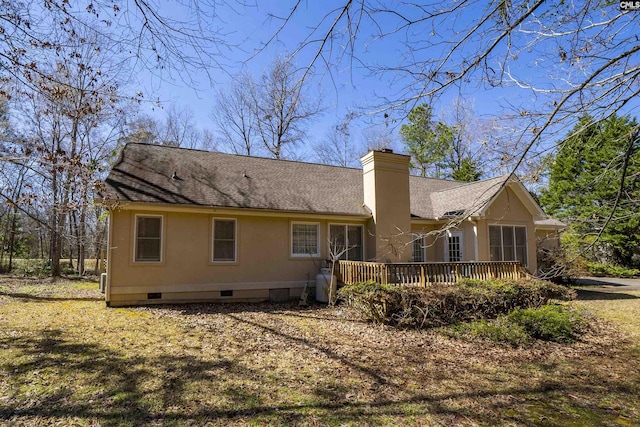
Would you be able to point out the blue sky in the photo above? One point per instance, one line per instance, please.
(352, 86)
(248, 28)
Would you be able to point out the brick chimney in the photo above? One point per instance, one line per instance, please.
(385, 177)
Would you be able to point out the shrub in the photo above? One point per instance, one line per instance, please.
(448, 304)
(550, 322)
(611, 270)
(498, 330)
(507, 295)
(374, 301)
(33, 267)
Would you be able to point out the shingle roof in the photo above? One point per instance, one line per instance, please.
(471, 197)
(145, 172)
(550, 223)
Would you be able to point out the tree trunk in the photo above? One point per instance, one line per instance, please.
(81, 229)
(2, 242)
(55, 252)
(71, 237)
(100, 232)
(41, 243)
(12, 239)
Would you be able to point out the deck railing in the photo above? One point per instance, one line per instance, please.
(424, 274)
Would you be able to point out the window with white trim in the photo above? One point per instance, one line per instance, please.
(224, 240)
(345, 240)
(417, 248)
(305, 239)
(453, 249)
(508, 243)
(148, 238)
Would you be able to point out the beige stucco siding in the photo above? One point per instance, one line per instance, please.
(507, 209)
(186, 272)
(468, 250)
(435, 243)
(386, 195)
(430, 240)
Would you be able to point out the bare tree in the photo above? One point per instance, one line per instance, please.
(269, 114)
(282, 108)
(180, 128)
(67, 123)
(378, 138)
(234, 116)
(177, 129)
(559, 59)
(142, 129)
(208, 141)
(339, 147)
(165, 42)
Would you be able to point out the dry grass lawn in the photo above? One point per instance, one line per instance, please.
(66, 359)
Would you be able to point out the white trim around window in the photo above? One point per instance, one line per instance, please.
(146, 242)
(224, 256)
(306, 235)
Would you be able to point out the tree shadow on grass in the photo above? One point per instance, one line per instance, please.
(590, 295)
(39, 298)
(289, 308)
(51, 378)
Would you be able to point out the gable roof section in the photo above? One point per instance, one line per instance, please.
(144, 173)
(470, 198)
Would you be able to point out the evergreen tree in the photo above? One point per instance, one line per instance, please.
(594, 185)
(426, 141)
(436, 148)
(467, 171)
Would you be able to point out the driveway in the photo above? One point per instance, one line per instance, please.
(606, 288)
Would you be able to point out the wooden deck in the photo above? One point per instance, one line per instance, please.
(425, 273)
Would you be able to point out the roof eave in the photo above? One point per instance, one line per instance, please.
(170, 207)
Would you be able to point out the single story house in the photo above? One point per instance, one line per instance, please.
(188, 225)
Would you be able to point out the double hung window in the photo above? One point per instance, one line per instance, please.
(224, 240)
(148, 240)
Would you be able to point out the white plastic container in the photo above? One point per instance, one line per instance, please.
(325, 282)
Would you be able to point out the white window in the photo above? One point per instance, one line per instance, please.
(508, 243)
(224, 240)
(345, 241)
(418, 252)
(305, 239)
(453, 246)
(148, 238)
